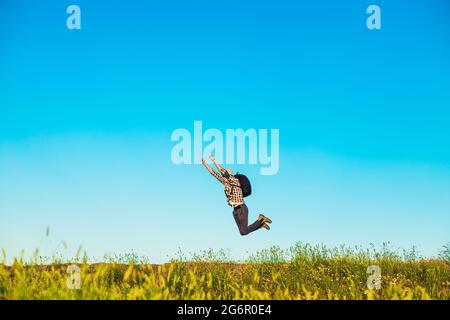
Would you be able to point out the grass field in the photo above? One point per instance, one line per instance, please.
(300, 272)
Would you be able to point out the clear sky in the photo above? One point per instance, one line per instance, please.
(86, 117)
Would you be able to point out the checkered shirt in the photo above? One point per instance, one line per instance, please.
(232, 189)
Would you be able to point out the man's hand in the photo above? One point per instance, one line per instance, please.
(218, 166)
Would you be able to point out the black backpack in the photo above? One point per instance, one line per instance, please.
(245, 184)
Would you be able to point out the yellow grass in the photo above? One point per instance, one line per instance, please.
(301, 272)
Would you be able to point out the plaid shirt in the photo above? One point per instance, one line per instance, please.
(232, 189)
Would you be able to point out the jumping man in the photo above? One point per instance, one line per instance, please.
(233, 191)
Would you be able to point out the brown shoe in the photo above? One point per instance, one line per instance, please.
(265, 226)
(263, 218)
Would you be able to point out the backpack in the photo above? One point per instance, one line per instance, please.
(245, 184)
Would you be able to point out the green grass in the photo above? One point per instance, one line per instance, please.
(300, 272)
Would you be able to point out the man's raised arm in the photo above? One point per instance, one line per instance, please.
(218, 166)
(212, 171)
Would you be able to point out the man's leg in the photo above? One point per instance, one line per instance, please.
(255, 225)
(241, 221)
(241, 218)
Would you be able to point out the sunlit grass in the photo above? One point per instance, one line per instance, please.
(300, 272)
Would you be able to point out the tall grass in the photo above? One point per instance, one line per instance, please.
(299, 272)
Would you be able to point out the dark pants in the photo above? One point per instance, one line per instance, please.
(241, 218)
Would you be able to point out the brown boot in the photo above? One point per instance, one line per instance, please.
(265, 226)
(263, 218)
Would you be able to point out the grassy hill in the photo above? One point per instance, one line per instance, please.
(300, 272)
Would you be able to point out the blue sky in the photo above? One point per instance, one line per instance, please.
(86, 117)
